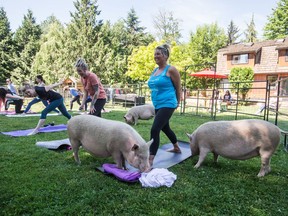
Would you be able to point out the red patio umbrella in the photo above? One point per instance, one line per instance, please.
(207, 73)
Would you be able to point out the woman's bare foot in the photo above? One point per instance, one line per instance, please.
(175, 149)
(33, 133)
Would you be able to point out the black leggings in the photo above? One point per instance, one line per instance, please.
(161, 122)
(99, 105)
(18, 105)
(76, 98)
(88, 100)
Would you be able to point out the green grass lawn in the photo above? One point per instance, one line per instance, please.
(37, 181)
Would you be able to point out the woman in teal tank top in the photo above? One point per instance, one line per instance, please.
(165, 86)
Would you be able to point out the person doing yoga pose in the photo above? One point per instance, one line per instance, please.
(46, 93)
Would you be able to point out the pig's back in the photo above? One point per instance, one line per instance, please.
(238, 138)
(83, 125)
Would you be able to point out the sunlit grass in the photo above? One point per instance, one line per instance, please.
(37, 181)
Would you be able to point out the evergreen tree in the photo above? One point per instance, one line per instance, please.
(133, 23)
(116, 43)
(46, 24)
(251, 33)
(112, 52)
(6, 47)
(26, 39)
(137, 36)
(81, 36)
(232, 33)
(48, 61)
(277, 26)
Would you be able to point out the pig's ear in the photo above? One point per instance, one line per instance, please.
(149, 143)
(135, 147)
(189, 135)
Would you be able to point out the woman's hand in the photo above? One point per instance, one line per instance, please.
(92, 109)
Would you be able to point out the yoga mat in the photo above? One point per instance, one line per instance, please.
(47, 129)
(122, 175)
(7, 113)
(55, 144)
(32, 114)
(164, 159)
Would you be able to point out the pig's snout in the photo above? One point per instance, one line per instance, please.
(145, 167)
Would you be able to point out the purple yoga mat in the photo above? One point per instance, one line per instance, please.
(123, 175)
(47, 129)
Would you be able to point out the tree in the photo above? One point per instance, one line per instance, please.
(203, 48)
(232, 33)
(277, 26)
(251, 33)
(136, 34)
(167, 27)
(116, 42)
(48, 61)
(6, 47)
(27, 39)
(141, 63)
(81, 36)
(46, 24)
(241, 78)
(114, 52)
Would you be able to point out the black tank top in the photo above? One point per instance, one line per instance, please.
(47, 95)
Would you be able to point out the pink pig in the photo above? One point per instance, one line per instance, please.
(239, 140)
(105, 138)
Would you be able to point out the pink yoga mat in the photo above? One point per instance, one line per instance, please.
(7, 113)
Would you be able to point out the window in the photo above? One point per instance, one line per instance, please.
(258, 57)
(272, 80)
(286, 55)
(240, 59)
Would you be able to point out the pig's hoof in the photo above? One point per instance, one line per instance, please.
(174, 150)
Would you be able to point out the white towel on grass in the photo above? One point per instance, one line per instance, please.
(157, 177)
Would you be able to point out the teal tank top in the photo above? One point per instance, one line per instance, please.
(163, 93)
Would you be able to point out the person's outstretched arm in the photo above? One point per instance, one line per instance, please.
(49, 87)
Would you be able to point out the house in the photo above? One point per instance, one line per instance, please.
(268, 59)
(73, 82)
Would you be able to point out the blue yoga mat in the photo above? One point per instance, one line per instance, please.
(164, 159)
(47, 129)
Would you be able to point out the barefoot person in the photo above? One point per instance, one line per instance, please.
(165, 86)
(40, 82)
(46, 93)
